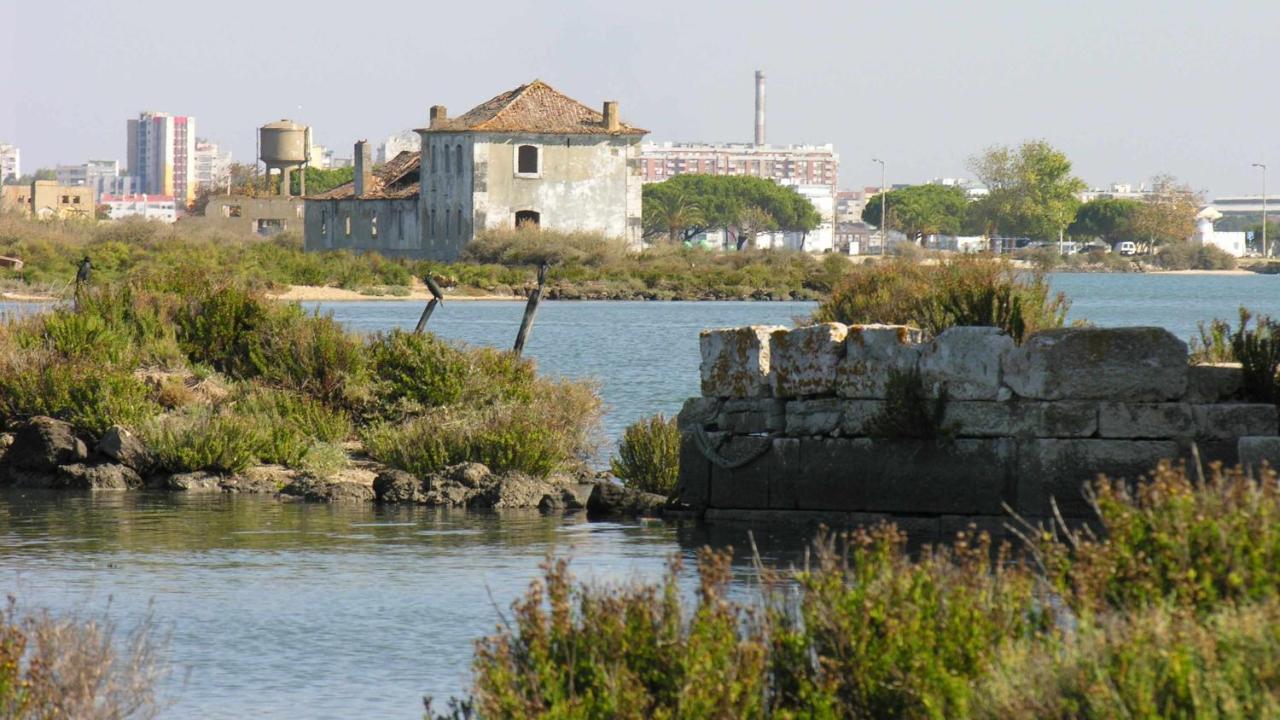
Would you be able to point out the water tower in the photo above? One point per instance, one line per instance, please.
(284, 145)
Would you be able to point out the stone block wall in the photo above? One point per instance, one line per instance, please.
(788, 421)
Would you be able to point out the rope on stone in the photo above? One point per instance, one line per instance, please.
(703, 442)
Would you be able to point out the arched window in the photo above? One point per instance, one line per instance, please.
(373, 226)
(431, 152)
(457, 165)
(448, 223)
(527, 160)
(458, 221)
(446, 159)
(528, 218)
(348, 228)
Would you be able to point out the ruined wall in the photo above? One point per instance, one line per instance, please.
(447, 212)
(793, 422)
(348, 224)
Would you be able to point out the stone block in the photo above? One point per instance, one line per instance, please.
(748, 416)
(1254, 451)
(902, 476)
(857, 416)
(1146, 420)
(872, 354)
(698, 412)
(1232, 420)
(817, 416)
(1024, 419)
(735, 361)
(745, 486)
(1214, 383)
(693, 488)
(966, 361)
(1137, 364)
(803, 361)
(1059, 468)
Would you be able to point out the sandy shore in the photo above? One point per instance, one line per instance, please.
(25, 297)
(1201, 272)
(313, 293)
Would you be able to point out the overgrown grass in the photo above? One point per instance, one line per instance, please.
(648, 456)
(1257, 349)
(1169, 611)
(961, 291)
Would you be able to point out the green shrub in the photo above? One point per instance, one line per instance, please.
(423, 371)
(1213, 345)
(1187, 255)
(1258, 352)
(324, 460)
(962, 291)
(310, 354)
(204, 439)
(89, 396)
(649, 455)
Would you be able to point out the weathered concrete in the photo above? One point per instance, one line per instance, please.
(736, 362)
(1064, 419)
(872, 354)
(819, 416)
(967, 362)
(1059, 468)
(1146, 420)
(1140, 364)
(748, 416)
(803, 361)
(1233, 420)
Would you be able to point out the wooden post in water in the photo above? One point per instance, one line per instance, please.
(530, 309)
(426, 313)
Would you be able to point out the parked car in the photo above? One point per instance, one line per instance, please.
(1127, 248)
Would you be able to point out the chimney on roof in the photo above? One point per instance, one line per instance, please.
(759, 107)
(438, 115)
(611, 121)
(363, 168)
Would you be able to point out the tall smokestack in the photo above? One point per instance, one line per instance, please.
(759, 107)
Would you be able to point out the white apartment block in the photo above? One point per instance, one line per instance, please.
(150, 207)
(212, 164)
(786, 164)
(161, 155)
(10, 163)
(408, 141)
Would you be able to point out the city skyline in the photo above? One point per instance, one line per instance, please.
(1127, 91)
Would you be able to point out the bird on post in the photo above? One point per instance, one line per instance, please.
(434, 287)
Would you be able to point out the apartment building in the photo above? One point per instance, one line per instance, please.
(161, 155)
(212, 164)
(785, 164)
(10, 163)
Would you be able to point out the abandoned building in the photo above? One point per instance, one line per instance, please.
(528, 156)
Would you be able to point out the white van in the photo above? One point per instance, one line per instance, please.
(1127, 248)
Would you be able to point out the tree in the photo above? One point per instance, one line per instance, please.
(751, 222)
(923, 209)
(1031, 189)
(1109, 219)
(319, 180)
(721, 202)
(1168, 214)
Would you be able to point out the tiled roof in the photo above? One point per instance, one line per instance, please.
(397, 179)
(533, 108)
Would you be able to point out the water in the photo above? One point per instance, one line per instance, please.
(280, 609)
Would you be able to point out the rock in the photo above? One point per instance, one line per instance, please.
(698, 412)
(803, 361)
(750, 416)
(872, 354)
(735, 361)
(198, 481)
(1254, 451)
(109, 476)
(1024, 419)
(314, 490)
(396, 486)
(857, 415)
(126, 448)
(966, 361)
(259, 479)
(36, 479)
(613, 499)
(43, 443)
(820, 416)
(515, 490)
(1138, 364)
(1146, 420)
(1232, 420)
(472, 475)
(1214, 383)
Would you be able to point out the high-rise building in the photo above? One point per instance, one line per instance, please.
(794, 164)
(10, 163)
(161, 150)
(396, 144)
(101, 175)
(212, 164)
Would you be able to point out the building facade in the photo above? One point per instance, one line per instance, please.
(48, 200)
(407, 141)
(212, 165)
(794, 164)
(149, 207)
(103, 176)
(263, 216)
(10, 163)
(530, 156)
(161, 155)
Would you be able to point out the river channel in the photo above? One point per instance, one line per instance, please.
(280, 609)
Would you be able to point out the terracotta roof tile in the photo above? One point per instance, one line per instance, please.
(397, 179)
(533, 108)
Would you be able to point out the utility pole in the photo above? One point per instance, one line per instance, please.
(884, 205)
(1264, 207)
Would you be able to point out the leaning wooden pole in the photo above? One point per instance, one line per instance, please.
(426, 314)
(530, 309)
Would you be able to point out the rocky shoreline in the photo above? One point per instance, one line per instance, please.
(44, 453)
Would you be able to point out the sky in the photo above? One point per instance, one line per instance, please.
(1127, 88)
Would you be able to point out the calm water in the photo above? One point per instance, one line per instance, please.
(291, 610)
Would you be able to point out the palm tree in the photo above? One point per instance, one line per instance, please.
(673, 214)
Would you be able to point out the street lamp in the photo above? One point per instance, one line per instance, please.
(1264, 206)
(884, 204)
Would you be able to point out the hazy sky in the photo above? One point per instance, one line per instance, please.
(1127, 88)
